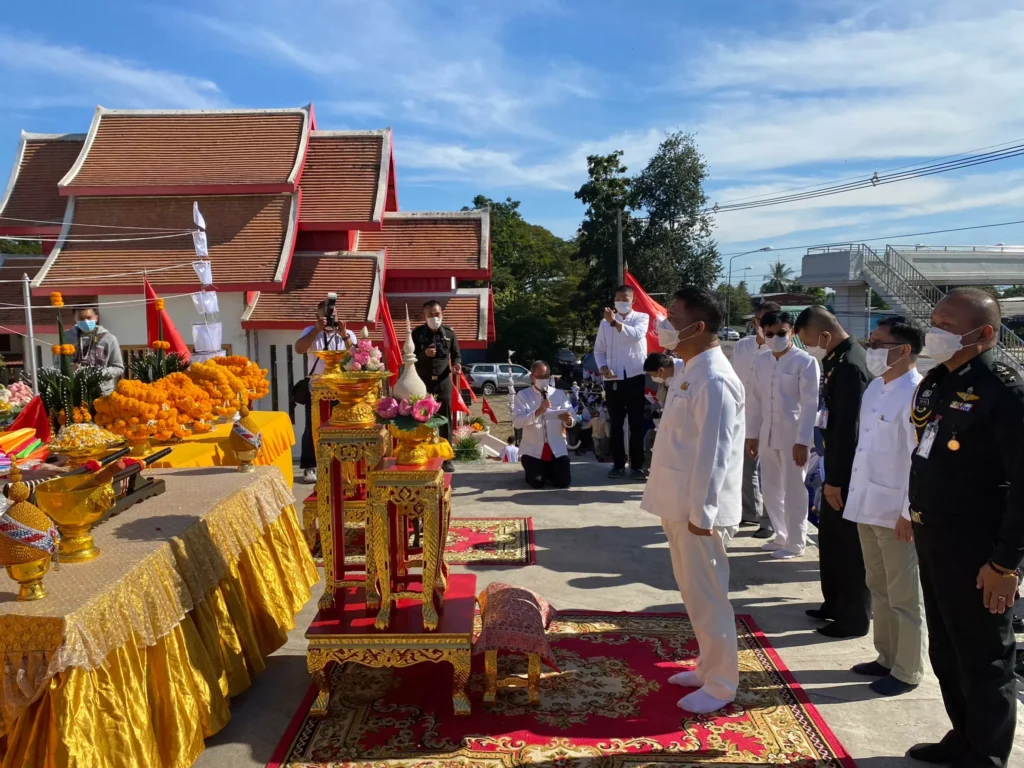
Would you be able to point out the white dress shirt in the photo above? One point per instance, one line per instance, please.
(623, 352)
(547, 428)
(782, 400)
(697, 465)
(743, 356)
(332, 340)
(885, 443)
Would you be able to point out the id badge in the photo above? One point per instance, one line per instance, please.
(821, 422)
(924, 448)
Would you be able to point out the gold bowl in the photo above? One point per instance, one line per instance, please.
(356, 393)
(75, 503)
(411, 445)
(30, 578)
(79, 456)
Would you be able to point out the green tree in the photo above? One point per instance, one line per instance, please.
(780, 279)
(877, 302)
(1013, 292)
(27, 247)
(675, 246)
(737, 300)
(532, 274)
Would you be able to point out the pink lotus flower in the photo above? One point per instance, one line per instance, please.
(376, 353)
(387, 408)
(353, 365)
(361, 357)
(365, 345)
(433, 404)
(422, 411)
(404, 408)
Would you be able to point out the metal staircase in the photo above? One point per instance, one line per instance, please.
(903, 287)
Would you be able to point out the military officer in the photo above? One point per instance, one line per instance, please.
(438, 361)
(966, 497)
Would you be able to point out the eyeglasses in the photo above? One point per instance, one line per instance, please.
(882, 344)
(773, 334)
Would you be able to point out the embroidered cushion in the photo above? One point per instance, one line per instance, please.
(514, 619)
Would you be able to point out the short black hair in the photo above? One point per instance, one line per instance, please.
(655, 361)
(94, 307)
(431, 303)
(510, 439)
(624, 289)
(777, 318)
(906, 331)
(767, 306)
(705, 305)
(535, 363)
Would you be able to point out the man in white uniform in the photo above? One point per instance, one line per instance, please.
(695, 488)
(743, 356)
(782, 402)
(877, 502)
(544, 413)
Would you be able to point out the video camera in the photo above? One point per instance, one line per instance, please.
(329, 316)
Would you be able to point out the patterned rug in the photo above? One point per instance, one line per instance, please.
(610, 706)
(471, 541)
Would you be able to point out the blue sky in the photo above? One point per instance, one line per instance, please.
(508, 99)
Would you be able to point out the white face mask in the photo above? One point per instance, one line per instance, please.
(878, 361)
(941, 345)
(658, 379)
(778, 343)
(542, 384)
(623, 307)
(668, 337)
(433, 323)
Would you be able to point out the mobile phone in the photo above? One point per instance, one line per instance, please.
(332, 300)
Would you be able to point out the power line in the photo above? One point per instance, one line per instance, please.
(97, 239)
(81, 224)
(79, 278)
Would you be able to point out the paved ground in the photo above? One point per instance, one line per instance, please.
(597, 550)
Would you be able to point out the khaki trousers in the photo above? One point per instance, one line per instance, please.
(892, 575)
(701, 568)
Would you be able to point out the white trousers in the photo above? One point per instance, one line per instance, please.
(785, 498)
(701, 568)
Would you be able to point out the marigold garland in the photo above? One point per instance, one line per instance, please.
(56, 300)
(158, 344)
(253, 377)
(159, 304)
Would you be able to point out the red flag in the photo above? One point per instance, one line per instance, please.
(488, 411)
(458, 405)
(153, 316)
(392, 349)
(644, 303)
(33, 415)
(464, 385)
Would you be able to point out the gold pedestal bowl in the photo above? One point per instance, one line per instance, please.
(30, 578)
(75, 503)
(410, 449)
(79, 456)
(356, 392)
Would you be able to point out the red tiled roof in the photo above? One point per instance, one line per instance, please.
(176, 152)
(44, 318)
(355, 277)
(41, 162)
(456, 243)
(466, 312)
(345, 178)
(250, 242)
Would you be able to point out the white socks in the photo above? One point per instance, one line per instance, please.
(700, 703)
(782, 554)
(687, 679)
(770, 546)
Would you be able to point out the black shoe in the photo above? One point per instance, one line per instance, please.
(836, 632)
(639, 475)
(748, 523)
(615, 474)
(891, 686)
(448, 466)
(820, 615)
(1018, 664)
(870, 669)
(1018, 625)
(763, 533)
(948, 750)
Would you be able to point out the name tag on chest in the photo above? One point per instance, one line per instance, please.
(924, 447)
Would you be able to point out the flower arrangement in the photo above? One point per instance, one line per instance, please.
(172, 407)
(63, 349)
(465, 444)
(362, 357)
(220, 384)
(249, 373)
(160, 345)
(17, 394)
(419, 410)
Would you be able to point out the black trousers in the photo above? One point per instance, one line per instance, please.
(625, 400)
(442, 392)
(971, 649)
(841, 563)
(307, 456)
(555, 473)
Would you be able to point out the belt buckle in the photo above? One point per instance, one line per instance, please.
(915, 516)
(433, 378)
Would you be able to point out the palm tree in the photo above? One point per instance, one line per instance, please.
(779, 280)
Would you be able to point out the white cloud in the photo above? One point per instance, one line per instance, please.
(35, 68)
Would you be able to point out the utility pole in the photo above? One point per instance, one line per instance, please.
(30, 351)
(618, 234)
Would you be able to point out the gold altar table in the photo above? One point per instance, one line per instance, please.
(131, 658)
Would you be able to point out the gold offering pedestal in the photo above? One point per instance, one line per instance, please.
(399, 495)
(75, 503)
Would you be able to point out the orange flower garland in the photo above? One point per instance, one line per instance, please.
(220, 384)
(160, 345)
(158, 304)
(254, 377)
(56, 300)
(131, 410)
(189, 403)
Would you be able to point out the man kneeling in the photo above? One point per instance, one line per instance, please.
(543, 413)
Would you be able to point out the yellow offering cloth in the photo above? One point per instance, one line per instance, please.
(131, 658)
(212, 449)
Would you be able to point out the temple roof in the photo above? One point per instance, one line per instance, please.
(356, 277)
(456, 243)
(12, 298)
(345, 179)
(140, 152)
(31, 197)
(250, 237)
(467, 311)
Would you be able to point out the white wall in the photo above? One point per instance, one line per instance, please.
(851, 310)
(262, 341)
(128, 321)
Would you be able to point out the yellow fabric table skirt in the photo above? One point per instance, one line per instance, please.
(212, 450)
(153, 705)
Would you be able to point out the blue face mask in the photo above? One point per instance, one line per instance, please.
(86, 325)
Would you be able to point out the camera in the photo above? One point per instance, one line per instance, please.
(329, 316)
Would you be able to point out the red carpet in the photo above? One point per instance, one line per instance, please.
(609, 706)
(471, 541)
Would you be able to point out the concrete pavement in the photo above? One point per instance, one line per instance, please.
(596, 550)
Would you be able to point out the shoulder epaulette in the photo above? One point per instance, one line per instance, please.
(1005, 373)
